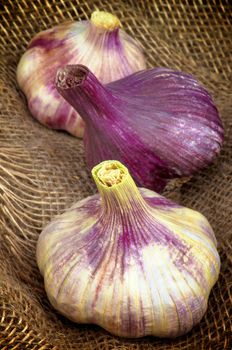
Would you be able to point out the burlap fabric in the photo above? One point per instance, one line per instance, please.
(42, 171)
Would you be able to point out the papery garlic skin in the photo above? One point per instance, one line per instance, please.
(99, 43)
(160, 123)
(129, 260)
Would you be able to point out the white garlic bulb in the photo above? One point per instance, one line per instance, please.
(99, 43)
(129, 259)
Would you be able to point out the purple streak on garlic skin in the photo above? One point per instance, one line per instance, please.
(129, 260)
(109, 52)
(161, 118)
(46, 43)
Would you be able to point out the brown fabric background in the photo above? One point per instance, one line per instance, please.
(42, 171)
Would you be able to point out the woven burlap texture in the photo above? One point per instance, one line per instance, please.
(43, 171)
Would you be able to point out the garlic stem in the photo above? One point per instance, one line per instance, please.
(117, 189)
(83, 90)
(67, 79)
(105, 20)
(110, 174)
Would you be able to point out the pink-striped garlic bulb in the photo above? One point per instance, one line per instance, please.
(129, 259)
(99, 43)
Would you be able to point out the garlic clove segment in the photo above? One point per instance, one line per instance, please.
(160, 123)
(129, 260)
(99, 43)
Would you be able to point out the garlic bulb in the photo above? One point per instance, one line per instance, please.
(129, 260)
(160, 123)
(99, 43)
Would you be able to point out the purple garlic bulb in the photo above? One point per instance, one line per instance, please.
(129, 260)
(160, 123)
(100, 44)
